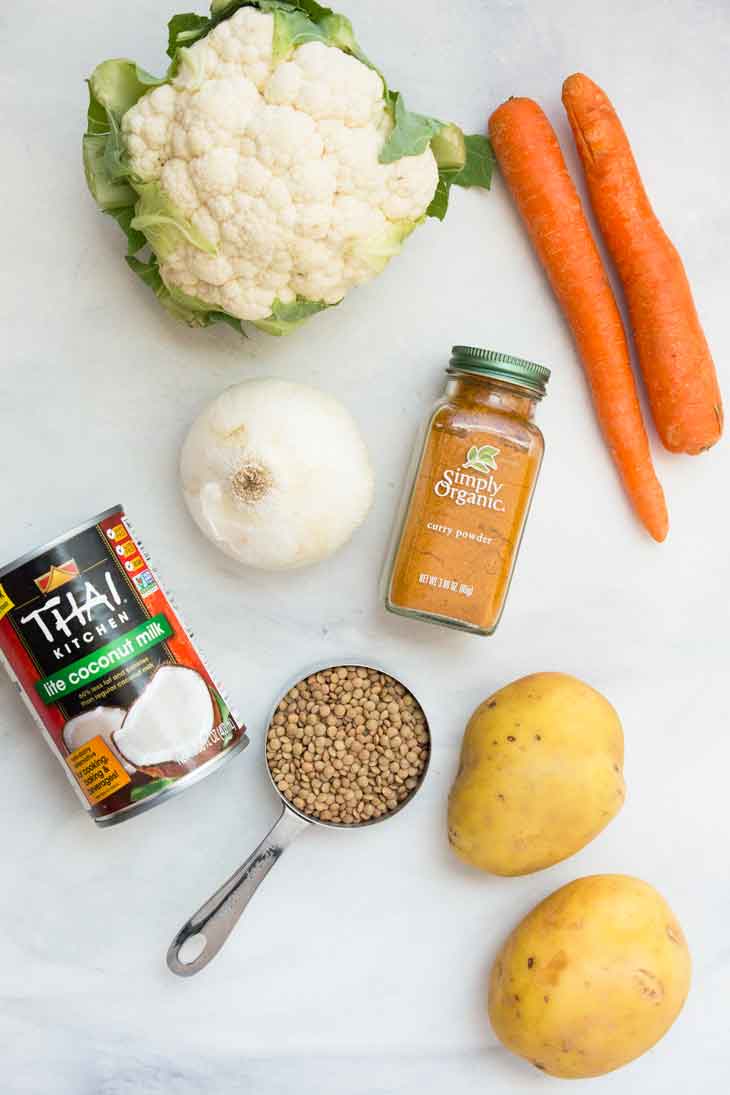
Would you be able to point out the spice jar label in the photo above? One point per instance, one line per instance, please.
(465, 519)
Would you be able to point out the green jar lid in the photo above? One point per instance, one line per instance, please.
(512, 370)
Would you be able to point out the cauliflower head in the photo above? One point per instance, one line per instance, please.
(271, 170)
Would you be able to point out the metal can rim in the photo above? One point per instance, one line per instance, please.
(181, 784)
(50, 544)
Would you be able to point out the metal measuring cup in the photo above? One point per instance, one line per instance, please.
(203, 935)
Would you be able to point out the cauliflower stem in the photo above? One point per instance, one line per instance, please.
(271, 169)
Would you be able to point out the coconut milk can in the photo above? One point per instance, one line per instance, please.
(109, 672)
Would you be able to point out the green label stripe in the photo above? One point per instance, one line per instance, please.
(128, 646)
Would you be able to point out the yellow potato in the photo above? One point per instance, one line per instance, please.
(541, 774)
(591, 978)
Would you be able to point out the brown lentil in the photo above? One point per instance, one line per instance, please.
(351, 719)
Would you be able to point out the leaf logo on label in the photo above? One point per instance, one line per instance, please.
(482, 459)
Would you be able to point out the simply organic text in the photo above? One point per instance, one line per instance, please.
(470, 490)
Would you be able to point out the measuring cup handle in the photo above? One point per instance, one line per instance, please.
(215, 920)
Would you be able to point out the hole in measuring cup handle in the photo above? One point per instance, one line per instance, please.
(191, 950)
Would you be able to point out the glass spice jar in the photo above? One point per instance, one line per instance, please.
(474, 475)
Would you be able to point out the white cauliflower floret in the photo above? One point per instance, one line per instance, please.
(276, 165)
(216, 172)
(176, 181)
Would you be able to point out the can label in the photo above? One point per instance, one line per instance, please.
(108, 669)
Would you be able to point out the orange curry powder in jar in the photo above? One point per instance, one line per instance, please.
(476, 472)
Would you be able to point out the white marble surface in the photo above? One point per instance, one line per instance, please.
(360, 967)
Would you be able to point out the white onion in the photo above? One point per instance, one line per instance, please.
(276, 474)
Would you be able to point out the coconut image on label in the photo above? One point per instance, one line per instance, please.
(170, 724)
(101, 722)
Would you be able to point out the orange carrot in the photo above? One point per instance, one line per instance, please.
(533, 167)
(672, 349)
